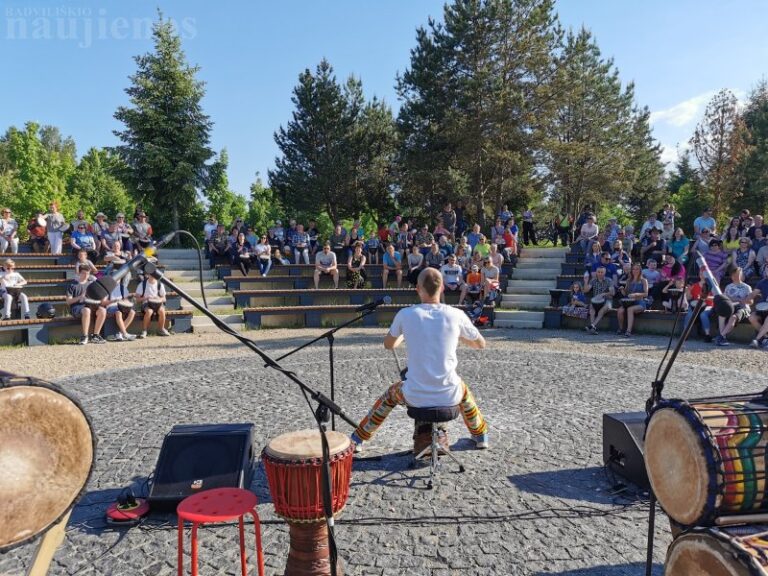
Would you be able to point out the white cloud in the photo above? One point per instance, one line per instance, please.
(670, 153)
(683, 113)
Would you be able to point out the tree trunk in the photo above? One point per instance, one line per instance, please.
(175, 223)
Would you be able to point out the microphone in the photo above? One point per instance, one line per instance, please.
(375, 304)
(164, 240)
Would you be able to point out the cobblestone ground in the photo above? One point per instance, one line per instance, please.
(538, 502)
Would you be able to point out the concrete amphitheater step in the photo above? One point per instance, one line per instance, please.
(175, 264)
(532, 287)
(548, 264)
(543, 253)
(525, 301)
(218, 309)
(187, 274)
(534, 274)
(178, 253)
(518, 319)
(201, 324)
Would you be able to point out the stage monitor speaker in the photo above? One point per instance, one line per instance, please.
(199, 457)
(623, 434)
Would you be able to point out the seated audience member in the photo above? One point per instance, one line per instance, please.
(679, 245)
(635, 300)
(121, 308)
(704, 222)
(482, 248)
(758, 240)
(301, 244)
(759, 316)
(652, 246)
(434, 258)
(11, 283)
(448, 220)
(758, 223)
(611, 231)
(652, 274)
(151, 296)
(403, 240)
(392, 262)
(473, 286)
(424, 240)
(603, 291)
(209, 228)
(415, 262)
(240, 254)
(588, 233)
(372, 248)
(99, 228)
(510, 242)
(384, 235)
(82, 310)
(740, 293)
(326, 264)
(80, 219)
(653, 223)
(117, 257)
(126, 232)
(462, 259)
(82, 239)
(577, 305)
(338, 242)
(668, 231)
(671, 268)
(445, 247)
(744, 257)
(356, 234)
(453, 277)
(356, 274)
(731, 235)
(261, 255)
(279, 259)
(619, 256)
(9, 229)
(37, 233)
(605, 261)
(701, 245)
(491, 280)
(497, 233)
(673, 294)
(496, 257)
(441, 231)
(251, 237)
(627, 238)
(593, 257)
(83, 262)
(716, 258)
(277, 235)
(473, 237)
(693, 294)
(218, 247)
(314, 235)
(109, 237)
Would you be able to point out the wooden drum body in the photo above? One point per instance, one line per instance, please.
(706, 459)
(736, 551)
(293, 464)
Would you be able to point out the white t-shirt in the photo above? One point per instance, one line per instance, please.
(432, 333)
(11, 279)
(153, 290)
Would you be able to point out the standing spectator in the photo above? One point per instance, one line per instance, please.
(151, 296)
(301, 244)
(461, 218)
(448, 219)
(636, 292)
(563, 223)
(372, 248)
(9, 229)
(356, 275)
(453, 277)
(126, 231)
(78, 307)
(651, 224)
(504, 214)
(218, 247)
(587, 234)
(415, 262)
(261, 253)
(392, 262)
(529, 230)
(744, 257)
(740, 293)
(82, 239)
(11, 283)
(441, 231)
(326, 264)
(602, 295)
(55, 225)
(240, 254)
(75, 224)
(693, 293)
(705, 221)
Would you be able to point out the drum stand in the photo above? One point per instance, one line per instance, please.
(653, 400)
(325, 406)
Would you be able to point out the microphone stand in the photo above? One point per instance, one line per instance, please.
(325, 406)
(653, 401)
(329, 335)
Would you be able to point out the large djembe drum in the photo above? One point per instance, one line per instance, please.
(293, 463)
(706, 459)
(46, 456)
(734, 551)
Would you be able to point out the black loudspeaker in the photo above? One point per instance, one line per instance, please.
(199, 457)
(623, 435)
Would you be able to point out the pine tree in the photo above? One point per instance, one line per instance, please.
(165, 142)
(755, 164)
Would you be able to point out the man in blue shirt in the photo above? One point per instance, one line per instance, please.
(705, 221)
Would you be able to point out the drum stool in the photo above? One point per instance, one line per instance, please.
(435, 416)
(219, 505)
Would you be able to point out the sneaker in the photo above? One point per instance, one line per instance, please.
(164, 332)
(356, 442)
(26, 316)
(96, 339)
(83, 341)
(627, 334)
(112, 338)
(142, 335)
(118, 338)
(754, 344)
(764, 343)
(721, 341)
(5, 318)
(129, 337)
(481, 442)
(588, 328)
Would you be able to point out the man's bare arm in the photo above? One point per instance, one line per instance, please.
(391, 342)
(477, 344)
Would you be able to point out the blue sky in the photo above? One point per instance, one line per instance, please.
(67, 63)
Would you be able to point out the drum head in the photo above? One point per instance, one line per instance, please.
(46, 456)
(696, 553)
(305, 444)
(676, 465)
(599, 299)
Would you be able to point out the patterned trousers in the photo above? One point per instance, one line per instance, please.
(394, 396)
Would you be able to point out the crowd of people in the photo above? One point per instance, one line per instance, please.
(92, 242)
(651, 270)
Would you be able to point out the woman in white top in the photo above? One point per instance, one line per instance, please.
(10, 279)
(8, 232)
(261, 253)
(56, 225)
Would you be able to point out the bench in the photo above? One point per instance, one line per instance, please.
(173, 302)
(38, 332)
(321, 316)
(226, 270)
(42, 259)
(342, 296)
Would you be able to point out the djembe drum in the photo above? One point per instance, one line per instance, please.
(46, 457)
(735, 551)
(706, 459)
(293, 464)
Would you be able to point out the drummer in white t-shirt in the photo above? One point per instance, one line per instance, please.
(151, 295)
(433, 332)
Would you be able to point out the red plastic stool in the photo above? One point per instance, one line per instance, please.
(219, 505)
